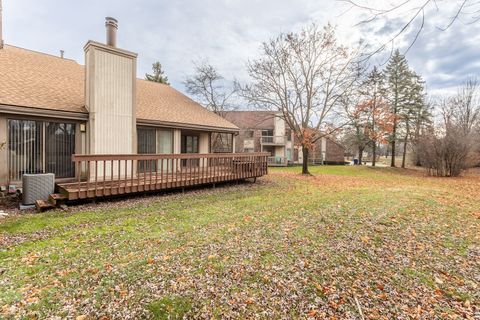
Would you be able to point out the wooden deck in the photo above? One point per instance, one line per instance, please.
(109, 175)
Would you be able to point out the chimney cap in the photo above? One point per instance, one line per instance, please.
(111, 25)
(111, 21)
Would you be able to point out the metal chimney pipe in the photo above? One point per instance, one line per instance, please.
(62, 54)
(112, 26)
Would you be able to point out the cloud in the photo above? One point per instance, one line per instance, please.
(227, 32)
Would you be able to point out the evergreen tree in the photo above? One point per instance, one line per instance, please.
(398, 79)
(413, 112)
(158, 74)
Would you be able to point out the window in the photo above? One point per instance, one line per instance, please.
(249, 134)
(189, 144)
(289, 134)
(248, 150)
(267, 133)
(222, 142)
(38, 147)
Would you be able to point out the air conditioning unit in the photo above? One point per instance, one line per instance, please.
(37, 187)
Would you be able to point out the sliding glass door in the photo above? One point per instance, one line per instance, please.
(146, 144)
(165, 146)
(40, 147)
(25, 148)
(59, 147)
(189, 144)
(154, 141)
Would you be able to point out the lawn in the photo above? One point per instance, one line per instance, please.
(347, 243)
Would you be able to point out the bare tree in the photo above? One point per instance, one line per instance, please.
(466, 107)
(215, 93)
(414, 14)
(304, 77)
(210, 88)
(450, 147)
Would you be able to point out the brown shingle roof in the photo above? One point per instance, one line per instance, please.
(33, 79)
(38, 80)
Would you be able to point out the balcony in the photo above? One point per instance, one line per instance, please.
(274, 140)
(277, 161)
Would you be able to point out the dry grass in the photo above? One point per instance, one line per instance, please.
(348, 241)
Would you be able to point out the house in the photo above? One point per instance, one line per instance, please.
(266, 131)
(263, 131)
(326, 151)
(54, 110)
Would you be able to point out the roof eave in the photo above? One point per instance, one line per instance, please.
(180, 125)
(42, 112)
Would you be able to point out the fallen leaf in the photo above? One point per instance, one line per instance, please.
(312, 313)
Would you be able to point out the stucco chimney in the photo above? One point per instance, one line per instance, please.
(110, 95)
(112, 26)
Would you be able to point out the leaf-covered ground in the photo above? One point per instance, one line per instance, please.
(347, 243)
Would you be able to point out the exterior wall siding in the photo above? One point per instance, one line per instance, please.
(204, 143)
(334, 153)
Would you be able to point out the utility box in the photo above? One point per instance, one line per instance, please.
(37, 187)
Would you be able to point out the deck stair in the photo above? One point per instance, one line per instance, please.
(55, 200)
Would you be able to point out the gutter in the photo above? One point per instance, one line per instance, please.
(39, 112)
(72, 115)
(181, 125)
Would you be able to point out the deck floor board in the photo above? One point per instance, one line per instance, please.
(153, 182)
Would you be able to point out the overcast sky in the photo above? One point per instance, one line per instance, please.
(229, 32)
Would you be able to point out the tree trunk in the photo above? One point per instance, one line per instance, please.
(405, 141)
(360, 155)
(392, 163)
(404, 152)
(374, 153)
(405, 149)
(394, 131)
(305, 161)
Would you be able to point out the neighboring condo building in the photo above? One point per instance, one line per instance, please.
(266, 131)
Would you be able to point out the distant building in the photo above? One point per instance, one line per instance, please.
(266, 131)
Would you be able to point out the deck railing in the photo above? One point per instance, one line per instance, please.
(104, 175)
(274, 140)
(277, 161)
